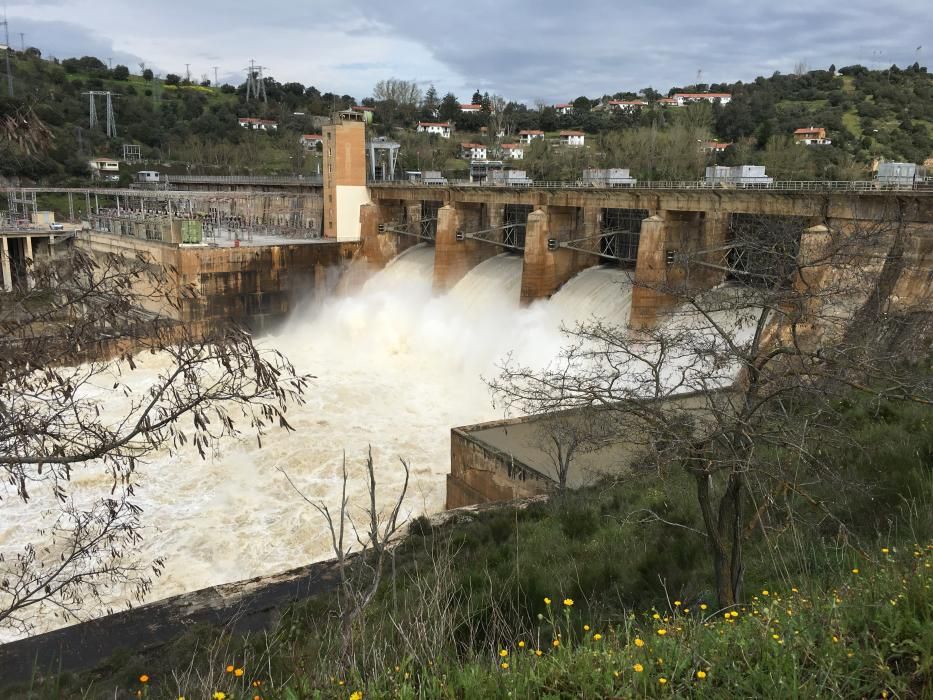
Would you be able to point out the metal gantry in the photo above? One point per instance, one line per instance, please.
(422, 229)
(111, 124)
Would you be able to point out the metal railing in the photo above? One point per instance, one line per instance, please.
(789, 186)
(247, 179)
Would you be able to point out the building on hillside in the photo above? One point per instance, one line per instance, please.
(737, 175)
(311, 141)
(442, 129)
(668, 102)
(564, 108)
(714, 147)
(626, 105)
(685, 98)
(481, 170)
(258, 124)
(572, 138)
(609, 177)
(513, 151)
(811, 136)
(473, 151)
(528, 135)
(105, 168)
(509, 178)
(471, 108)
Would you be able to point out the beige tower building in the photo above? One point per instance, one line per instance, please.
(344, 178)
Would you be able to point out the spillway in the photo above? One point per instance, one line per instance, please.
(395, 368)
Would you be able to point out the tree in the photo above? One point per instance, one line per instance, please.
(741, 390)
(430, 104)
(121, 72)
(147, 75)
(477, 98)
(96, 315)
(172, 79)
(401, 92)
(450, 107)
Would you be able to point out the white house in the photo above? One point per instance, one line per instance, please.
(473, 151)
(684, 98)
(572, 138)
(471, 108)
(668, 102)
(442, 129)
(564, 108)
(626, 105)
(529, 135)
(513, 151)
(311, 141)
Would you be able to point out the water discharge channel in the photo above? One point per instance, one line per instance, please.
(396, 367)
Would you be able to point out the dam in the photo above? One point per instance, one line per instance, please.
(401, 300)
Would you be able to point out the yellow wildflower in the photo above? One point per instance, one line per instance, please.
(638, 668)
(855, 571)
(555, 643)
(504, 665)
(568, 602)
(597, 636)
(219, 695)
(662, 632)
(764, 593)
(885, 550)
(676, 603)
(503, 653)
(639, 643)
(238, 673)
(702, 606)
(229, 668)
(656, 616)
(521, 645)
(356, 695)
(256, 684)
(538, 652)
(144, 678)
(662, 680)
(547, 601)
(586, 628)
(701, 675)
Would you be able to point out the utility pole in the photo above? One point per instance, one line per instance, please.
(110, 62)
(9, 71)
(188, 72)
(22, 42)
(215, 76)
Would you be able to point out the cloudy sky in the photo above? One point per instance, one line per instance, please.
(528, 50)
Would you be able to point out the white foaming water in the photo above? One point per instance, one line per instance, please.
(395, 368)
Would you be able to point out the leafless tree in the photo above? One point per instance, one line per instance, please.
(740, 385)
(565, 436)
(403, 93)
(70, 340)
(360, 566)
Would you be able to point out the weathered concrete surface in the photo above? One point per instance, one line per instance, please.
(255, 285)
(481, 473)
(241, 607)
(917, 206)
(453, 258)
(545, 271)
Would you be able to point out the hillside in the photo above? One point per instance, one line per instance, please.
(869, 115)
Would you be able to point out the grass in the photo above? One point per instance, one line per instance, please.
(869, 635)
(852, 123)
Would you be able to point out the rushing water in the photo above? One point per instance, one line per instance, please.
(395, 368)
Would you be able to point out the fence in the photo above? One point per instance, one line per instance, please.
(246, 179)
(793, 186)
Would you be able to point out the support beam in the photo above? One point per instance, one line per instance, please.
(30, 279)
(546, 270)
(5, 263)
(453, 258)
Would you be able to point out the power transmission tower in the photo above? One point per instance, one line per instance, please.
(188, 72)
(111, 125)
(255, 85)
(215, 75)
(6, 53)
